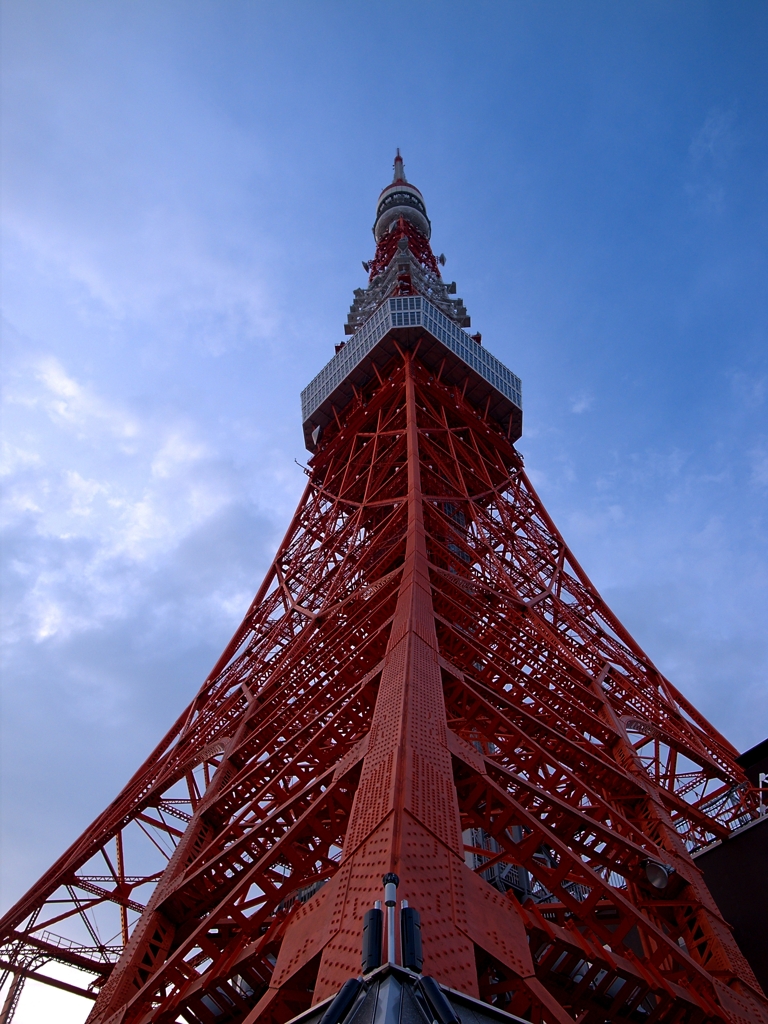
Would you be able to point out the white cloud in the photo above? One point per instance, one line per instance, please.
(68, 402)
(749, 389)
(13, 458)
(83, 493)
(159, 269)
(91, 506)
(710, 151)
(581, 402)
(49, 619)
(176, 452)
(759, 463)
(717, 137)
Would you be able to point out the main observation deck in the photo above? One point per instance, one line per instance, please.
(442, 346)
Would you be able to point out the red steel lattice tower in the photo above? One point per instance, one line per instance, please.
(426, 684)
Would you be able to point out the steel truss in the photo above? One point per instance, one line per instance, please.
(425, 680)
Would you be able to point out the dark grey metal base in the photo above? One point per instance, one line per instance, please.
(393, 995)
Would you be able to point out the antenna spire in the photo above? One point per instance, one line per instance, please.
(399, 171)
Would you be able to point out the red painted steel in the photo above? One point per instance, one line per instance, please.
(387, 247)
(425, 664)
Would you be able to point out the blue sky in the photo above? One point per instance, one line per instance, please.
(188, 191)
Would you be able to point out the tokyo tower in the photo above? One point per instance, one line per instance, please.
(432, 778)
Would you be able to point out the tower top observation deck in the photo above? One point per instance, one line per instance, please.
(401, 199)
(408, 305)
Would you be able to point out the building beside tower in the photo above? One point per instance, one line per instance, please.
(432, 777)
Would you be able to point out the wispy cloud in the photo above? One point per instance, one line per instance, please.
(759, 461)
(710, 151)
(73, 404)
(581, 402)
(717, 138)
(95, 505)
(750, 389)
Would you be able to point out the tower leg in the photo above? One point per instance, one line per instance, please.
(12, 999)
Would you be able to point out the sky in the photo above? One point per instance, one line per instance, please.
(187, 195)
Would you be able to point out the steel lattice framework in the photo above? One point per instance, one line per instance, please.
(426, 682)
